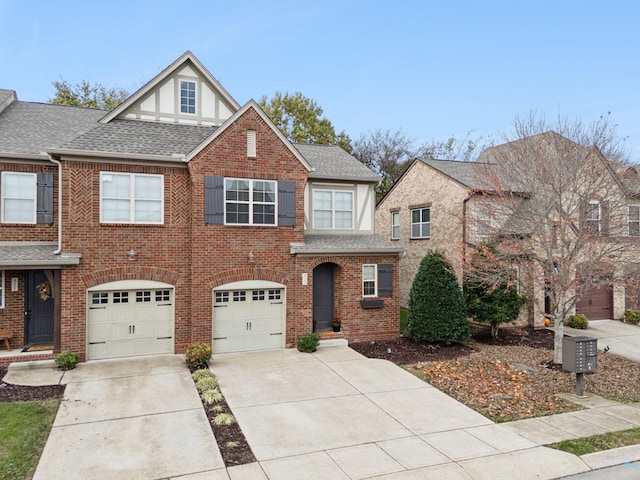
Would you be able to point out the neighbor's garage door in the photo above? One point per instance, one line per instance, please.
(248, 319)
(597, 304)
(124, 323)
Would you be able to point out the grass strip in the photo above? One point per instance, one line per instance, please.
(598, 443)
(24, 428)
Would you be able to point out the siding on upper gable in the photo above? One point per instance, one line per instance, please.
(422, 186)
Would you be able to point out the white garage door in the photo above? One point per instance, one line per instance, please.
(129, 321)
(248, 319)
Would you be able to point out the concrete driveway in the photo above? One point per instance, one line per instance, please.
(337, 415)
(139, 418)
(622, 338)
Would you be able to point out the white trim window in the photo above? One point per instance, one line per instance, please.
(19, 193)
(421, 223)
(370, 280)
(187, 97)
(2, 289)
(592, 217)
(395, 225)
(332, 209)
(131, 198)
(484, 220)
(633, 220)
(249, 202)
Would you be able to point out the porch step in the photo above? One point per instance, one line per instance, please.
(333, 342)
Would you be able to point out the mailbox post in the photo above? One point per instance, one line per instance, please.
(579, 355)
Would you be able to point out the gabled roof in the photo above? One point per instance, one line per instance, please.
(250, 105)
(6, 98)
(333, 163)
(27, 130)
(185, 58)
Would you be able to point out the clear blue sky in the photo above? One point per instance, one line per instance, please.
(429, 68)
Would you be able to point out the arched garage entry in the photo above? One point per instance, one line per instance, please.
(249, 315)
(129, 318)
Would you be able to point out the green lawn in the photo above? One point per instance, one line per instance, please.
(597, 443)
(24, 428)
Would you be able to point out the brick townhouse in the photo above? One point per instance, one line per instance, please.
(182, 217)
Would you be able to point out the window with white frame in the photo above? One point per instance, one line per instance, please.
(369, 280)
(332, 209)
(1, 288)
(592, 217)
(250, 202)
(19, 192)
(421, 223)
(131, 198)
(187, 97)
(633, 219)
(395, 225)
(484, 220)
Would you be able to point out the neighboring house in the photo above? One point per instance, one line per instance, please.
(182, 217)
(446, 205)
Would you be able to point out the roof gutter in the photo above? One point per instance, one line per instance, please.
(176, 157)
(59, 164)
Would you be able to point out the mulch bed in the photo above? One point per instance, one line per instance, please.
(20, 393)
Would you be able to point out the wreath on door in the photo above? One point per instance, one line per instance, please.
(44, 289)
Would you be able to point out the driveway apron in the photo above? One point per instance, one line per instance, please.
(139, 418)
(335, 414)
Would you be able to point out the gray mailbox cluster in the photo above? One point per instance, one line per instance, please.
(579, 354)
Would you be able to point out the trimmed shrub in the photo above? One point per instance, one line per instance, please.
(67, 360)
(437, 312)
(632, 316)
(198, 356)
(578, 320)
(308, 343)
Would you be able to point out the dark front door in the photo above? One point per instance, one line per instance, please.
(38, 309)
(322, 296)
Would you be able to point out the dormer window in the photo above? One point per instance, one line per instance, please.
(187, 97)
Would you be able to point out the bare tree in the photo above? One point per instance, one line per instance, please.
(460, 149)
(555, 205)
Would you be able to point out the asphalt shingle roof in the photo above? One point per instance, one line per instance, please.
(346, 244)
(332, 162)
(21, 254)
(140, 138)
(32, 128)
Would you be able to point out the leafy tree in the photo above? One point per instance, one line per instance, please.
(556, 202)
(387, 153)
(436, 306)
(487, 302)
(300, 119)
(84, 94)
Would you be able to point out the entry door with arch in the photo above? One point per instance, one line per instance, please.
(323, 299)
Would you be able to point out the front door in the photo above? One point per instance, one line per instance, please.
(322, 296)
(38, 310)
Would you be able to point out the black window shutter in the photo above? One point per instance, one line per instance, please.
(44, 202)
(385, 280)
(286, 203)
(213, 200)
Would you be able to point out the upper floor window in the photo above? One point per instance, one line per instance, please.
(421, 223)
(395, 225)
(187, 97)
(633, 220)
(131, 198)
(592, 217)
(369, 280)
(484, 220)
(332, 209)
(1, 288)
(250, 202)
(19, 192)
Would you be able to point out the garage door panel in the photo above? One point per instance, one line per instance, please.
(248, 320)
(129, 323)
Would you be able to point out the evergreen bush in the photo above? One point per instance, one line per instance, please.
(437, 312)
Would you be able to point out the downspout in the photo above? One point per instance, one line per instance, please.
(59, 164)
(464, 227)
